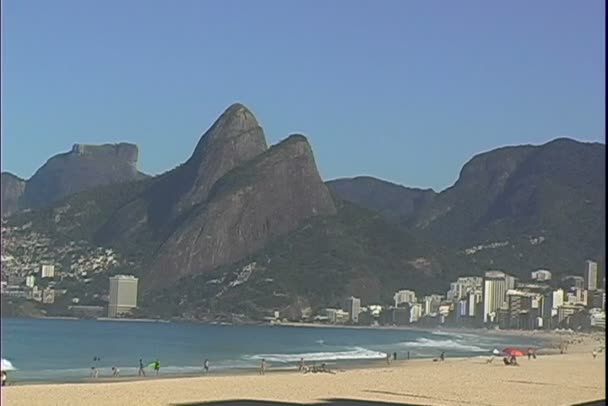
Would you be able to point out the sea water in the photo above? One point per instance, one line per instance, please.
(60, 350)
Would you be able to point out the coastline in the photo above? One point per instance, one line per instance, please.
(570, 378)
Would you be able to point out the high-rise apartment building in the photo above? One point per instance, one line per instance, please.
(591, 275)
(496, 285)
(353, 307)
(123, 295)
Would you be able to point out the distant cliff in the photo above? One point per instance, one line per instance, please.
(84, 167)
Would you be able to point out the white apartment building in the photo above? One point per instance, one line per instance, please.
(496, 285)
(47, 271)
(123, 295)
(404, 296)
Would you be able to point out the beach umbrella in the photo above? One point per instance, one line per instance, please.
(6, 365)
(514, 352)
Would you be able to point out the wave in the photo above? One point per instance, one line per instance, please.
(352, 354)
(443, 345)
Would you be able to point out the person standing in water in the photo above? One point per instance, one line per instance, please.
(206, 366)
(141, 371)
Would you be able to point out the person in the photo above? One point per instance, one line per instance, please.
(115, 371)
(395, 356)
(141, 371)
(156, 367)
(301, 365)
(442, 356)
(206, 366)
(408, 355)
(263, 367)
(94, 372)
(529, 353)
(594, 353)
(506, 361)
(4, 378)
(388, 358)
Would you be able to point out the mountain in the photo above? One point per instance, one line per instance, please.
(12, 192)
(396, 203)
(240, 228)
(84, 167)
(247, 208)
(232, 140)
(516, 208)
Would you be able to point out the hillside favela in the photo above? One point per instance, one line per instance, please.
(270, 203)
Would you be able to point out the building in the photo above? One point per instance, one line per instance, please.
(573, 281)
(431, 304)
(591, 275)
(353, 307)
(123, 295)
(565, 312)
(463, 286)
(30, 281)
(404, 296)
(47, 271)
(598, 319)
(541, 275)
(597, 300)
(48, 296)
(401, 316)
(415, 312)
(496, 285)
(336, 316)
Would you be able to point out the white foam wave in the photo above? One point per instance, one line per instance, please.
(351, 354)
(443, 345)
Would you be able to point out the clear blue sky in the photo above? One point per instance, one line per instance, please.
(403, 90)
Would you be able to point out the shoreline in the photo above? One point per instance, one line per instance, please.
(455, 381)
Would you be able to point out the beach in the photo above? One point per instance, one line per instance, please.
(560, 379)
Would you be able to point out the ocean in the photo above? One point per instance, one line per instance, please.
(64, 350)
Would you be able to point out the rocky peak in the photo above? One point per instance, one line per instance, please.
(234, 138)
(248, 207)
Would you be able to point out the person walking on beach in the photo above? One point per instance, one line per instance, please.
(5, 377)
(156, 367)
(141, 371)
(388, 358)
(206, 366)
(263, 367)
(408, 355)
(529, 353)
(395, 356)
(301, 365)
(115, 372)
(94, 372)
(442, 356)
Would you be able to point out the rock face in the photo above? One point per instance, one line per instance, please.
(247, 208)
(12, 192)
(235, 138)
(396, 203)
(84, 167)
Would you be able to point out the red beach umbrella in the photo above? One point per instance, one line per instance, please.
(514, 352)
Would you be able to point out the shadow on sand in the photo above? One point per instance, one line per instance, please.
(330, 402)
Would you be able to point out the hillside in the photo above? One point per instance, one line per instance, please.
(324, 261)
(396, 203)
(519, 208)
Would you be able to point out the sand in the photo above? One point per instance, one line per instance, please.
(571, 378)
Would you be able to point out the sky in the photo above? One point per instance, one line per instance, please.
(403, 90)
